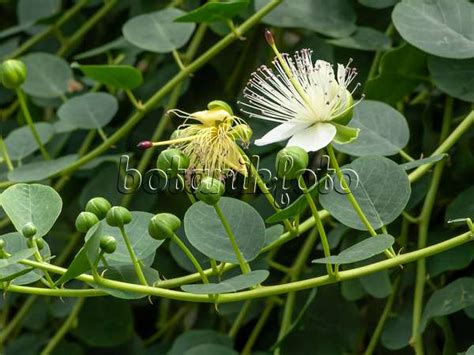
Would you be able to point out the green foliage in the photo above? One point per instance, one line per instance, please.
(116, 76)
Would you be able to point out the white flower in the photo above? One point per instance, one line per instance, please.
(310, 103)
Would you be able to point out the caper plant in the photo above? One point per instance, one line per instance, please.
(215, 181)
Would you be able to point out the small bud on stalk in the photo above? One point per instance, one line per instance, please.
(98, 206)
(269, 37)
(163, 225)
(172, 161)
(143, 145)
(108, 244)
(291, 162)
(85, 221)
(210, 190)
(12, 73)
(220, 105)
(118, 216)
(29, 230)
(40, 243)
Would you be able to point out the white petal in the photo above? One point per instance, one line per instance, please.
(341, 74)
(314, 138)
(280, 133)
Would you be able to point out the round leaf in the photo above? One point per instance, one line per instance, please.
(104, 322)
(40, 170)
(214, 11)
(383, 130)
(157, 31)
(379, 185)
(47, 75)
(20, 142)
(193, 338)
(117, 76)
(89, 111)
(181, 259)
(142, 243)
(440, 27)
(334, 18)
(378, 4)
(37, 204)
(206, 233)
(360, 251)
(453, 76)
(233, 284)
(462, 206)
(211, 349)
(364, 38)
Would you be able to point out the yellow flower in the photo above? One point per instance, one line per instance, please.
(209, 138)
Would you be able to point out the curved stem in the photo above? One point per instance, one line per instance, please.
(244, 266)
(29, 120)
(135, 262)
(6, 156)
(190, 256)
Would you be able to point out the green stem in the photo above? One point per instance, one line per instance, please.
(38, 257)
(190, 256)
(244, 266)
(29, 120)
(239, 320)
(378, 55)
(86, 27)
(133, 100)
(258, 328)
(264, 291)
(319, 225)
(6, 156)
(383, 318)
(47, 31)
(423, 226)
(405, 155)
(351, 197)
(133, 257)
(65, 327)
(19, 316)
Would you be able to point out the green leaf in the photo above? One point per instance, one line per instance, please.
(193, 338)
(142, 243)
(397, 332)
(233, 284)
(30, 11)
(211, 349)
(462, 206)
(401, 71)
(378, 4)
(104, 322)
(377, 285)
(118, 76)
(379, 185)
(127, 273)
(361, 251)
(18, 274)
(47, 76)
(273, 233)
(40, 170)
(439, 27)
(157, 31)
(214, 11)
(452, 298)
(453, 76)
(382, 130)
(335, 18)
(206, 233)
(181, 259)
(37, 204)
(20, 142)
(364, 38)
(416, 163)
(89, 111)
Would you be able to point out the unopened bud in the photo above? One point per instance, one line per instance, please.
(98, 206)
(144, 145)
(269, 37)
(29, 230)
(118, 216)
(163, 225)
(218, 104)
(291, 162)
(85, 221)
(12, 73)
(210, 190)
(108, 244)
(172, 161)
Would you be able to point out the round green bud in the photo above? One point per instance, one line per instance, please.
(163, 225)
(12, 73)
(85, 221)
(172, 161)
(118, 216)
(108, 244)
(345, 117)
(40, 243)
(210, 190)
(98, 206)
(291, 162)
(2, 244)
(218, 104)
(29, 230)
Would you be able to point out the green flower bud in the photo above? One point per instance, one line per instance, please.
(218, 104)
(12, 73)
(40, 243)
(118, 216)
(2, 244)
(29, 230)
(108, 244)
(85, 221)
(172, 162)
(210, 190)
(98, 206)
(163, 225)
(290, 162)
(242, 131)
(345, 117)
